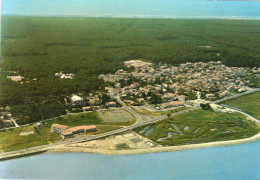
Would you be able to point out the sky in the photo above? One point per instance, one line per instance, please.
(130, 8)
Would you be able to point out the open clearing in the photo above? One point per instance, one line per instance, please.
(26, 133)
(200, 126)
(14, 139)
(128, 140)
(143, 110)
(249, 103)
(118, 115)
(23, 137)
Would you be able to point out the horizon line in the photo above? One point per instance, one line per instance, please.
(137, 16)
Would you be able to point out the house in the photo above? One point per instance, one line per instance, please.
(169, 96)
(210, 95)
(241, 90)
(182, 98)
(129, 102)
(65, 76)
(67, 132)
(15, 78)
(8, 123)
(58, 128)
(7, 108)
(118, 85)
(76, 100)
(225, 93)
(140, 100)
(111, 104)
(172, 104)
(87, 108)
(9, 115)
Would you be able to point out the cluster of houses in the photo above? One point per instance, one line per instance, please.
(173, 84)
(64, 75)
(7, 117)
(91, 102)
(68, 132)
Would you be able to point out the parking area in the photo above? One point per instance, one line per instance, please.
(117, 115)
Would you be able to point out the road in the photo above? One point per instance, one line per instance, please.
(141, 121)
(89, 138)
(236, 95)
(139, 117)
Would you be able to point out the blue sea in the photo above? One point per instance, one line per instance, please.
(239, 162)
(217, 163)
(134, 8)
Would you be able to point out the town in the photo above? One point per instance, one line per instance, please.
(158, 87)
(162, 86)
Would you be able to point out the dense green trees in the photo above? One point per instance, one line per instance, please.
(205, 106)
(155, 99)
(1, 124)
(37, 47)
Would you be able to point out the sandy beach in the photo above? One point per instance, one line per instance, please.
(153, 149)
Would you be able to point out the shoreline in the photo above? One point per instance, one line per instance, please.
(64, 149)
(154, 149)
(137, 17)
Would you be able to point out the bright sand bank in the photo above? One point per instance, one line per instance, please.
(154, 149)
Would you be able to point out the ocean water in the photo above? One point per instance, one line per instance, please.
(134, 8)
(239, 162)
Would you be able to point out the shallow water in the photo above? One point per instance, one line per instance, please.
(228, 162)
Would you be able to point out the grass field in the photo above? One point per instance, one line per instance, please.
(249, 103)
(157, 113)
(117, 117)
(200, 126)
(10, 139)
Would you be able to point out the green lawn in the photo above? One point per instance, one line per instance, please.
(118, 117)
(202, 126)
(249, 103)
(89, 118)
(102, 129)
(158, 113)
(10, 139)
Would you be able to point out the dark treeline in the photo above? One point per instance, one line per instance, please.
(38, 47)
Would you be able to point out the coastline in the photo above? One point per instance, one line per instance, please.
(65, 149)
(137, 16)
(154, 149)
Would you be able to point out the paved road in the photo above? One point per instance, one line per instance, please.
(236, 95)
(139, 117)
(140, 122)
(241, 111)
(14, 121)
(89, 138)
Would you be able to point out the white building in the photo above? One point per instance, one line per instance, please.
(15, 78)
(76, 100)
